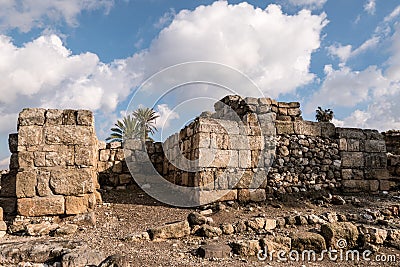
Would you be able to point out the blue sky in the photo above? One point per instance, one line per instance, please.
(339, 54)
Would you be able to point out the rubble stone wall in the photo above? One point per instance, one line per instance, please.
(53, 166)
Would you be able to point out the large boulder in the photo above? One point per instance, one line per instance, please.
(339, 235)
(307, 241)
(169, 231)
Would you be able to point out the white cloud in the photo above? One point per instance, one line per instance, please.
(166, 116)
(370, 6)
(375, 91)
(165, 19)
(45, 73)
(272, 48)
(27, 14)
(393, 14)
(311, 4)
(343, 52)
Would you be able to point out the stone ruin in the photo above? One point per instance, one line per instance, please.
(246, 150)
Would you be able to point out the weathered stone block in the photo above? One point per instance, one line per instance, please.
(244, 159)
(72, 181)
(69, 117)
(13, 142)
(25, 160)
(29, 135)
(283, 127)
(43, 186)
(79, 204)
(333, 232)
(64, 156)
(69, 135)
(26, 184)
(360, 185)
(350, 133)
(31, 116)
(84, 156)
(39, 159)
(376, 160)
(54, 117)
(307, 128)
(354, 145)
(173, 230)
(375, 146)
(104, 154)
(302, 241)
(14, 161)
(85, 117)
(41, 206)
(352, 159)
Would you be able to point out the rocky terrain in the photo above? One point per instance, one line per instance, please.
(138, 230)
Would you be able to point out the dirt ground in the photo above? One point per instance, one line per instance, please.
(131, 211)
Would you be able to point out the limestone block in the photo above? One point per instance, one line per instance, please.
(343, 144)
(25, 160)
(26, 184)
(43, 185)
(255, 195)
(31, 116)
(206, 197)
(79, 204)
(246, 179)
(69, 135)
(352, 159)
(41, 206)
(328, 129)
(282, 111)
(376, 160)
(72, 181)
(350, 174)
(1, 214)
(64, 156)
(14, 161)
(263, 109)
(39, 159)
(13, 142)
(233, 159)
(239, 142)
(84, 156)
(283, 127)
(201, 140)
(244, 159)
(283, 118)
(54, 117)
(85, 117)
(294, 112)
(373, 134)
(221, 179)
(307, 128)
(205, 179)
(29, 135)
(354, 145)
(69, 117)
(104, 155)
(350, 133)
(264, 101)
(219, 141)
(378, 146)
(360, 185)
(119, 154)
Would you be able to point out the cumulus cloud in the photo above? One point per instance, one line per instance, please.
(375, 90)
(166, 116)
(27, 14)
(272, 48)
(370, 6)
(310, 4)
(44, 73)
(343, 52)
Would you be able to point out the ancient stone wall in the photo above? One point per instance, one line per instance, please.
(248, 148)
(53, 167)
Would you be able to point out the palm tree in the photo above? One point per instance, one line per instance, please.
(146, 119)
(324, 115)
(126, 128)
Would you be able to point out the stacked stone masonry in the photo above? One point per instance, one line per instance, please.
(53, 166)
(248, 148)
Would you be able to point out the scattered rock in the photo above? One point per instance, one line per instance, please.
(206, 212)
(335, 233)
(290, 220)
(277, 243)
(307, 241)
(81, 258)
(338, 200)
(245, 247)
(115, 261)
(393, 238)
(40, 229)
(227, 229)
(372, 234)
(280, 222)
(301, 220)
(172, 230)
(240, 227)
(195, 218)
(137, 237)
(214, 251)
(270, 224)
(208, 231)
(256, 223)
(66, 229)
